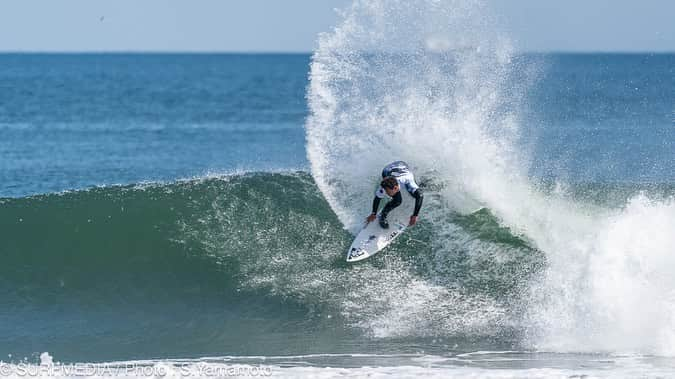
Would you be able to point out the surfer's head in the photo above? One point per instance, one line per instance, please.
(390, 185)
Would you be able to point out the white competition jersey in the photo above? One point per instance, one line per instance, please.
(399, 170)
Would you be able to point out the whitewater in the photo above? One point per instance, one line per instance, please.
(383, 87)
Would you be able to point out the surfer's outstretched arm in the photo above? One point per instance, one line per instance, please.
(419, 197)
(376, 204)
(373, 214)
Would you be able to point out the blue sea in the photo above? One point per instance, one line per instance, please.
(176, 213)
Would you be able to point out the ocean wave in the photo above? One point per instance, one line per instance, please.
(249, 250)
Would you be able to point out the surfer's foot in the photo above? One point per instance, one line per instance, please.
(384, 223)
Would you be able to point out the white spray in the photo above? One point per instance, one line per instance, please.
(430, 82)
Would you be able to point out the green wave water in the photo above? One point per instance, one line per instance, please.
(244, 264)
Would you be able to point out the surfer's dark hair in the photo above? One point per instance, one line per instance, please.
(389, 182)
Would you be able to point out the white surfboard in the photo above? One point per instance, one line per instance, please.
(373, 238)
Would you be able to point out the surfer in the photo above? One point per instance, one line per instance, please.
(395, 175)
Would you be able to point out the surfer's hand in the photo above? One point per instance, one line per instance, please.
(413, 220)
(371, 218)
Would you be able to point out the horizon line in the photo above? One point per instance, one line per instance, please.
(291, 52)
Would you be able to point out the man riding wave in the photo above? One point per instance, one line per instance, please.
(394, 176)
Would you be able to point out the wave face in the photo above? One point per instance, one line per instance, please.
(435, 84)
(246, 264)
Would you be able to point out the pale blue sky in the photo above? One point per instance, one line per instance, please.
(292, 25)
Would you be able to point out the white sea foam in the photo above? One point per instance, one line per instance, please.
(384, 88)
(431, 83)
(479, 365)
(609, 285)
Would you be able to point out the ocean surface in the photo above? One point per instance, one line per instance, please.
(184, 212)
